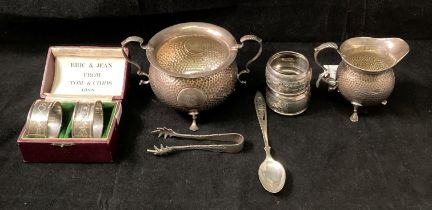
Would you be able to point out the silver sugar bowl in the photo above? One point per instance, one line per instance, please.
(192, 65)
(365, 75)
(288, 76)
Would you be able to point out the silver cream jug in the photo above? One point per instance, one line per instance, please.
(365, 75)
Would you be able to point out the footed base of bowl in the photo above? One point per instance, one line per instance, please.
(193, 113)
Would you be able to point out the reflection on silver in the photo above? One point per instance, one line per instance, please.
(272, 175)
(286, 104)
(192, 62)
(44, 120)
(365, 74)
(87, 120)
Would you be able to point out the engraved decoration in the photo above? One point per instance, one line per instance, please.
(44, 120)
(87, 120)
(83, 120)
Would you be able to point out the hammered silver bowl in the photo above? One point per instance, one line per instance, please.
(192, 65)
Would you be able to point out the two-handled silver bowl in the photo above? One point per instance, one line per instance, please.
(192, 65)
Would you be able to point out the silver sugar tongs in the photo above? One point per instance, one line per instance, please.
(236, 138)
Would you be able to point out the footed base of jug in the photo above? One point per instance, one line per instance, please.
(354, 115)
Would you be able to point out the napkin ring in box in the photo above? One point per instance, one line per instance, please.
(44, 119)
(87, 120)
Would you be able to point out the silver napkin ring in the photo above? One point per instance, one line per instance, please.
(44, 120)
(87, 120)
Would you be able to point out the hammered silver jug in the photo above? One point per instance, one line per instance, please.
(365, 75)
(192, 65)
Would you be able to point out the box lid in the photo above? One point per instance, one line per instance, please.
(84, 72)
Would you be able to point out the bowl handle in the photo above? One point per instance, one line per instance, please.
(139, 72)
(325, 75)
(242, 40)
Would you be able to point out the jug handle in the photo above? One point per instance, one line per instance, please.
(325, 75)
(140, 41)
(242, 40)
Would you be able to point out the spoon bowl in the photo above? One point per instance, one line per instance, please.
(272, 175)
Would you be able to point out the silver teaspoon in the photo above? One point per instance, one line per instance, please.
(271, 173)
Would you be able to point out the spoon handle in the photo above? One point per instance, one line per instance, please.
(260, 107)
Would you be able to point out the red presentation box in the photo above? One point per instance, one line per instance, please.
(80, 74)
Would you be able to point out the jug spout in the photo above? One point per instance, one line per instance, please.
(373, 54)
(397, 49)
